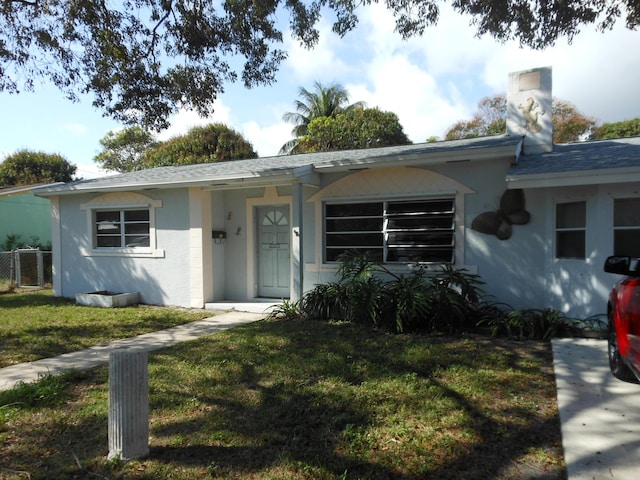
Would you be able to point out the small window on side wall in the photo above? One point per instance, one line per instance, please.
(121, 224)
(122, 228)
(626, 226)
(571, 227)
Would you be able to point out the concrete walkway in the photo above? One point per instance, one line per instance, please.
(99, 354)
(600, 415)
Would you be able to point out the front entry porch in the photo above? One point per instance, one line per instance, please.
(257, 305)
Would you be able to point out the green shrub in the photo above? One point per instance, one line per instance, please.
(327, 300)
(370, 293)
(407, 303)
(538, 324)
(455, 297)
(287, 310)
(446, 301)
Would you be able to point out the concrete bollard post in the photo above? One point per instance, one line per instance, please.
(128, 404)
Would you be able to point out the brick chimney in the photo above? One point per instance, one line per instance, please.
(529, 104)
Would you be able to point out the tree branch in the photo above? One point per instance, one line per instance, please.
(154, 32)
(33, 3)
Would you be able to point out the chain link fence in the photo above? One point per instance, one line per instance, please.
(25, 268)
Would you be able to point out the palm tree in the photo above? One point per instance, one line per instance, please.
(322, 102)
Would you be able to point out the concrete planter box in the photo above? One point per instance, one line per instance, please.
(107, 299)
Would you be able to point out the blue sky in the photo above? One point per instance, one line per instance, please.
(430, 82)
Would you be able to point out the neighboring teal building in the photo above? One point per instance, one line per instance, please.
(24, 214)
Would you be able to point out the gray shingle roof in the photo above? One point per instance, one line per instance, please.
(582, 156)
(281, 165)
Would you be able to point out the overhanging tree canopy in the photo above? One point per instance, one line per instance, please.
(144, 59)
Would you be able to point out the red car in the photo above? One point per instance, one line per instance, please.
(623, 312)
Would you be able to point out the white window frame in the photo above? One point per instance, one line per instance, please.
(118, 221)
(623, 228)
(559, 230)
(121, 202)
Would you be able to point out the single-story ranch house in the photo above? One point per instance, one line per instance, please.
(535, 220)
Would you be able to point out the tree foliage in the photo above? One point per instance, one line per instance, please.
(122, 151)
(322, 101)
(353, 129)
(626, 128)
(539, 24)
(569, 124)
(144, 59)
(211, 143)
(26, 167)
(490, 119)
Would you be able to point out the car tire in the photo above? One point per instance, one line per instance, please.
(618, 368)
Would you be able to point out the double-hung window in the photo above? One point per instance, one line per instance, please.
(571, 227)
(122, 228)
(121, 224)
(399, 231)
(626, 226)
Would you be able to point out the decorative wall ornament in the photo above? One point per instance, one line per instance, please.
(532, 111)
(511, 212)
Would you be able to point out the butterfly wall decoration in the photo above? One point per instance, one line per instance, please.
(511, 212)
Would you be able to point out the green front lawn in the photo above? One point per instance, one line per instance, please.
(303, 399)
(36, 325)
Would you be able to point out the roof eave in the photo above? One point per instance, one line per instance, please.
(210, 183)
(574, 178)
(480, 153)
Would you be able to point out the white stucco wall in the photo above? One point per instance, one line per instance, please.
(581, 287)
(523, 271)
(511, 269)
(163, 280)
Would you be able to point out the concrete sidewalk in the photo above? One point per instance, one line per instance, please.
(600, 415)
(99, 354)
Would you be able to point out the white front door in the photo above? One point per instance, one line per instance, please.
(273, 251)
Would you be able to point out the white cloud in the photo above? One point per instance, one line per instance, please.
(267, 139)
(400, 87)
(185, 120)
(88, 170)
(319, 64)
(412, 78)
